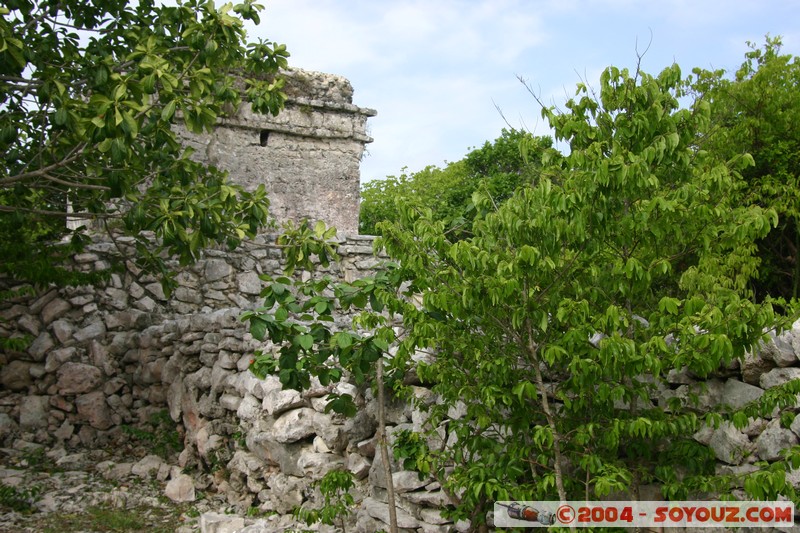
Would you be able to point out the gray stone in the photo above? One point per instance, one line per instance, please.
(230, 402)
(795, 425)
(100, 358)
(406, 481)
(793, 477)
(127, 319)
(7, 426)
(358, 465)
(180, 489)
(754, 366)
(315, 465)
(773, 440)
(185, 294)
(65, 431)
(433, 516)
(737, 394)
(679, 377)
(779, 376)
(92, 331)
(246, 382)
(729, 444)
(779, 349)
(118, 471)
(704, 434)
(55, 309)
(58, 357)
(220, 523)
(92, 408)
(117, 298)
(294, 425)
(40, 346)
(285, 492)
(249, 408)
(155, 290)
(277, 402)
(147, 466)
(29, 324)
(77, 378)
(16, 376)
(437, 499)
(249, 283)
(380, 511)
(33, 412)
(62, 330)
(217, 269)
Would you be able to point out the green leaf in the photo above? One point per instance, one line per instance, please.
(169, 110)
(305, 341)
(258, 328)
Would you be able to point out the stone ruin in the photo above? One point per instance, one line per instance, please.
(307, 157)
(108, 358)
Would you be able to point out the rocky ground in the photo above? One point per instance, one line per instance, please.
(50, 490)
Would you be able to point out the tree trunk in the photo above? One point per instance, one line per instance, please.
(385, 450)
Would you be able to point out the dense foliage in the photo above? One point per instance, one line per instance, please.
(630, 256)
(758, 112)
(90, 95)
(497, 168)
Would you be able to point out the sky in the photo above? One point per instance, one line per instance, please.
(444, 75)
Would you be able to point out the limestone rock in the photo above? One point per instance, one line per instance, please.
(220, 523)
(737, 394)
(147, 466)
(729, 444)
(249, 283)
(16, 376)
(277, 402)
(92, 331)
(62, 329)
(295, 425)
(779, 376)
(358, 465)
(180, 489)
(55, 309)
(249, 408)
(754, 366)
(380, 511)
(779, 349)
(58, 357)
(77, 378)
(33, 412)
(217, 269)
(315, 465)
(773, 440)
(285, 492)
(40, 346)
(436, 499)
(93, 409)
(407, 481)
(7, 426)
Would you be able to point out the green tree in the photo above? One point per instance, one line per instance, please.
(498, 167)
(90, 96)
(757, 112)
(553, 325)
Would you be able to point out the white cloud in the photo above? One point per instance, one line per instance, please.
(433, 69)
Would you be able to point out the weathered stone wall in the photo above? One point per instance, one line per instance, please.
(111, 356)
(104, 358)
(307, 157)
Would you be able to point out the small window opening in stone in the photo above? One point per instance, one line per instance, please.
(264, 137)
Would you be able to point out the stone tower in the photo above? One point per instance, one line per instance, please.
(307, 157)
